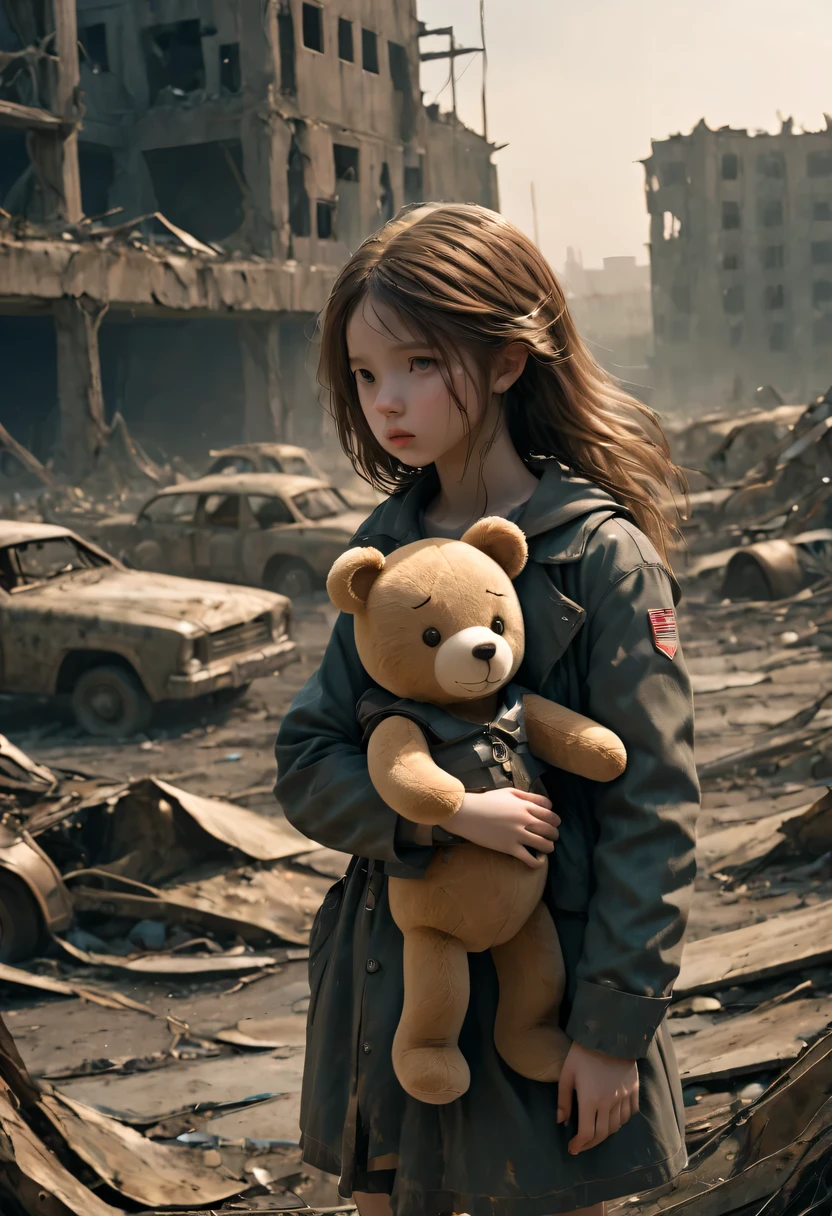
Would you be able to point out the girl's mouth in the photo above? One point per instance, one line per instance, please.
(400, 439)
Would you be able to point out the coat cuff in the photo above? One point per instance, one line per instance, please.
(615, 1022)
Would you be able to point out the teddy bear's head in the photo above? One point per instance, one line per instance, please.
(438, 620)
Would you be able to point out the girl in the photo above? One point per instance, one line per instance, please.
(458, 383)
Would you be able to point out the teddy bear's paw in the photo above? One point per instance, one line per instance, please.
(538, 1053)
(432, 1074)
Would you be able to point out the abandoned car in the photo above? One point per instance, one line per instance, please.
(261, 529)
(263, 458)
(74, 622)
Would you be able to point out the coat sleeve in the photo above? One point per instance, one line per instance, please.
(644, 858)
(322, 780)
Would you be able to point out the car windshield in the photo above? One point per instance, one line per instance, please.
(320, 504)
(229, 465)
(298, 467)
(36, 561)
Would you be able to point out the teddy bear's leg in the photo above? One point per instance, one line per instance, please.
(426, 1058)
(532, 982)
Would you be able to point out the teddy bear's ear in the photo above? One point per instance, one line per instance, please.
(501, 540)
(351, 578)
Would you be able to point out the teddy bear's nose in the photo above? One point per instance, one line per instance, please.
(485, 651)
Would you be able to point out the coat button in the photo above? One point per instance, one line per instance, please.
(373, 965)
(367, 1049)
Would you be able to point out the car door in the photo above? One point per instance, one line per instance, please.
(217, 547)
(272, 527)
(164, 535)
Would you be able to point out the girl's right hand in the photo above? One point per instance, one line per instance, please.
(508, 821)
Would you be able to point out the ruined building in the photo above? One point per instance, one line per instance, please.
(179, 182)
(741, 253)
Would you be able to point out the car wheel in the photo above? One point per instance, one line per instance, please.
(21, 926)
(292, 578)
(110, 701)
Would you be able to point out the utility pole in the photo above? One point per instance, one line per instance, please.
(484, 71)
(453, 52)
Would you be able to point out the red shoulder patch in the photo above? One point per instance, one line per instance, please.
(663, 628)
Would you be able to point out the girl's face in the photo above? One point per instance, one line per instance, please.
(403, 395)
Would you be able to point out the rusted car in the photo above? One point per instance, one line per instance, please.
(75, 622)
(264, 458)
(260, 529)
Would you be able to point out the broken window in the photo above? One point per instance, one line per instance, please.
(822, 210)
(369, 51)
(735, 335)
(286, 45)
(774, 296)
(730, 261)
(821, 292)
(231, 79)
(93, 40)
(673, 173)
(653, 184)
(730, 215)
(819, 164)
(672, 226)
(771, 213)
(680, 295)
(773, 257)
(414, 188)
(198, 186)
(97, 168)
(771, 164)
(822, 253)
(822, 331)
(399, 67)
(173, 58)
(730, 166)
(733, 299)
(386, 203)
(221, 510)
(346, 50)
(777, 337)
(313, 27)
(299, 217)
(346, 163)
(325, 219)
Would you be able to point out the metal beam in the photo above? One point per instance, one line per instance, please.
(458, 50)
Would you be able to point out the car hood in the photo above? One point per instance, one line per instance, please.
(137, 597)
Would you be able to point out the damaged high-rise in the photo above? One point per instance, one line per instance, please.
(180, 183)
(741, 253)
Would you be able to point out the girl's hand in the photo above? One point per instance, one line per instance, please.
(507, 821)
(607, 1091)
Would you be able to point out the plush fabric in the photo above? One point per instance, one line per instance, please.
(439, 622)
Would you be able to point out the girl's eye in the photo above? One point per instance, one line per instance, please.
(421, 363)
(498, 625)
(431, 637)
(366, 376)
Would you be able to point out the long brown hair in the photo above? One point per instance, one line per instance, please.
(470, 283)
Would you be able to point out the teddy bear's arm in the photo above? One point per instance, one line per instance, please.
(572, 742)
(406, 776)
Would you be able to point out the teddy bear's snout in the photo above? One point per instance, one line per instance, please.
(485, 651)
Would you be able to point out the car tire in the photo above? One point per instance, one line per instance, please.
(292, 578)
(21, 924)
(110, 701)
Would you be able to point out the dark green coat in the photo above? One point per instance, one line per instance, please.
(620, 882)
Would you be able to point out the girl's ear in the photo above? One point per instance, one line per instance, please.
(352, 577)
(509, 367)
(501, 540)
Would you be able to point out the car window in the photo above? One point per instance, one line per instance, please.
(319, 504)
(232, 464)
(270, 465)
(270, 512)
(221, 510)
(171, 509)
(39, 560)
(298, 467)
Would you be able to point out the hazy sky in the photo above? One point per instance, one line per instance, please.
(577, 90)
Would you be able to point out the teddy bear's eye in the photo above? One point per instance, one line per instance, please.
(431, 637)
(498, 625)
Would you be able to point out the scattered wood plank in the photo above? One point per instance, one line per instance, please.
(753, 1042)
(788, 942)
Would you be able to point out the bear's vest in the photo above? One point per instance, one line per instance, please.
(485, 756)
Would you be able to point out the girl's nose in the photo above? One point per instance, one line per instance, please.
(388, 405)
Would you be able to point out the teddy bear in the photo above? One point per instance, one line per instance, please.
(439, 629)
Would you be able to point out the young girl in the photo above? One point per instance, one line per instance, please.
(459, 384)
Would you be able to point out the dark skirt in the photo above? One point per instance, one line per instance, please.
(496, 1151)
